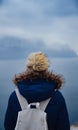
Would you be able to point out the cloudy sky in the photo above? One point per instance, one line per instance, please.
(52, 21)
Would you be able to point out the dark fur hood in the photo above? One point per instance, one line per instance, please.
(44, 75)
(35, 86)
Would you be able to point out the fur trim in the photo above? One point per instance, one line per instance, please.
(58, 79)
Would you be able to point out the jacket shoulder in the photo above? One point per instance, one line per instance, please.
(13, 101)
(58, 98)
(59, 95)
(12, 96)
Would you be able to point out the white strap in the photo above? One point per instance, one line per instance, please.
(23, 102)
(44, 104)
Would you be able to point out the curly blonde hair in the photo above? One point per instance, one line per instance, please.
(37, 61)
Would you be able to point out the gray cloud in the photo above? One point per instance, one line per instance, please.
(17, 48)
(38, 10)
(34, 13)
(52, 21)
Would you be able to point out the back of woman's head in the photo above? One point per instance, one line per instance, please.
(37, 61)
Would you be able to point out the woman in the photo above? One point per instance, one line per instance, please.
(37, 84)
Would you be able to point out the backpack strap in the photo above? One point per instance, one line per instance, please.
(44, 104)
(23, 102)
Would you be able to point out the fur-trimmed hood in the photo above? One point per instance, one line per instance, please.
(38, 86)
(44, 75)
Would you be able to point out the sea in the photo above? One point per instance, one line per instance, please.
(67, 67)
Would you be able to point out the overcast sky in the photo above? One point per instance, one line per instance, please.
(53, 21)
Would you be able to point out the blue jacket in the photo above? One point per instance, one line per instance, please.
(36, 91)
